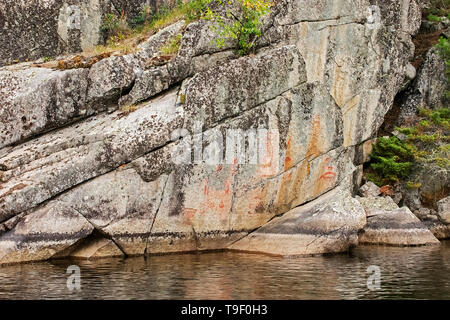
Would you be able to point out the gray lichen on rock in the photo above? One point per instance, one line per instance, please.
(82, 178)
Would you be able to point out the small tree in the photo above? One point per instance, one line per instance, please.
(245, 27)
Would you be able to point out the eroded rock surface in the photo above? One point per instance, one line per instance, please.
(390, 225)
(205, 147)
(329, 224)
(35, 29)
(427, 90)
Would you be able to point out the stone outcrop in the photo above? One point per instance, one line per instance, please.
(36, 29)
(390, 225)
(369, 189)
(444, 210)
(206, 150)
(328, 224)
(428, 88)
(36, 100)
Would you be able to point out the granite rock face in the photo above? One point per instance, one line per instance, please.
(328, 224)
(35, 29)
(390, 225)
(444, 210)
(36, 100)
(199, 151)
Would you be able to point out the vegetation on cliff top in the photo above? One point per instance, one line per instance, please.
(244, 27)
(425, 144)
(438, 9)
(421, 150)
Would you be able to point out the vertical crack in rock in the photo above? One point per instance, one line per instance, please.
(163, 193)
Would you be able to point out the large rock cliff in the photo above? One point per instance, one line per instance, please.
(33, 29)
(208, 150)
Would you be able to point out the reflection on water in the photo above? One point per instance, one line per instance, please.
(406, 273)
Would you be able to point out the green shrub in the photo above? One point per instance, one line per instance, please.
(413, 185)
(194, 10)
(407, 131)
(115, 26)
(172, 46)
(424, 112)
(391, 161)
(48, 59)
(426, 138)
(392, 147)
(444, 49)
(424, 124)
(111, 23)
(439, 8)
(432, 17)
(245, 28)
(440, 116)
(142, 18)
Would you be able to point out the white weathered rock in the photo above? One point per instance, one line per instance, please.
(329, 224)
(47, 28)
(369, 189)
(43, 234)
(444, 210)
(390, 225)
(34, 100)
(97, 248)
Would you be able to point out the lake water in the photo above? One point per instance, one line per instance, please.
(405, 273)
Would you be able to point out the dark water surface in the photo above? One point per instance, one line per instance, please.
(406, 273)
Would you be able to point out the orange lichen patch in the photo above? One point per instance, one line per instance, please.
(17, 187)
(159, 61)
(327, 179)
(269, 165)
(387, 190)
(291, 187)
(121, 167)
(313, 149)
(205, 188)
(81, 61)
(214, 201)
(288, 159)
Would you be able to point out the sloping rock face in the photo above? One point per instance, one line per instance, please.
(328, 224)
(35, 29)
(209, 147)
(36, 100)
(390, 225)
(444, 210)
